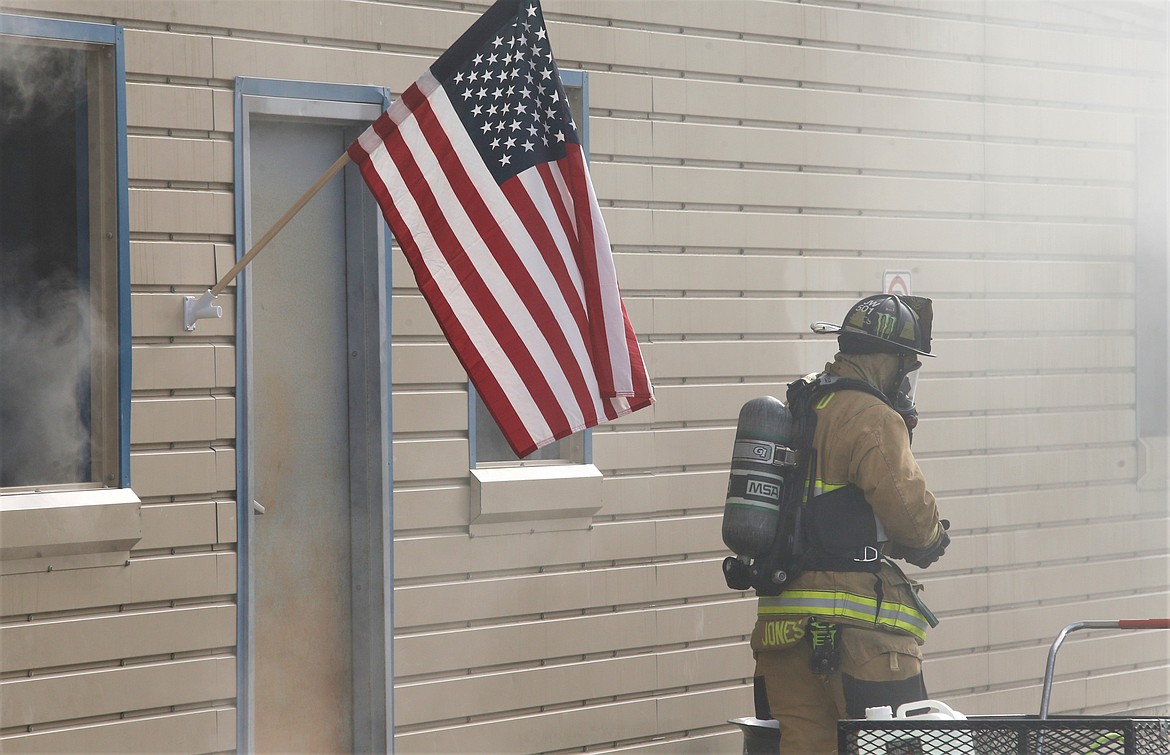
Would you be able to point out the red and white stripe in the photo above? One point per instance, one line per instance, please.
(520, 276)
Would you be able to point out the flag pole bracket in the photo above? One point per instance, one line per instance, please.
(200, 309)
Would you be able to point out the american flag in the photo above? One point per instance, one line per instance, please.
(480, 173)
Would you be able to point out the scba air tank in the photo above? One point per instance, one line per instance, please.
(761, 457)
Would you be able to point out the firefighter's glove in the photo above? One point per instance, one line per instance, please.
(924, 557)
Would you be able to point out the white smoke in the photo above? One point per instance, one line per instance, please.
(44, 314)
(37, 81)
(44, 368)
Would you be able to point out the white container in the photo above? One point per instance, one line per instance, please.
(912, 740)
(929, 710)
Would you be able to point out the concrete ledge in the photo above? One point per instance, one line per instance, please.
(538, 498)
(67, 529)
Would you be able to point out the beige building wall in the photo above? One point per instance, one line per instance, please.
(761, 165)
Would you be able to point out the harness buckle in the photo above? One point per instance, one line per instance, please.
(869, 554)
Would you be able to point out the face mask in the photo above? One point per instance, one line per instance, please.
(906, 379)
(903, 398)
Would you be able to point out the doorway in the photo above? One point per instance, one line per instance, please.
(314, 510)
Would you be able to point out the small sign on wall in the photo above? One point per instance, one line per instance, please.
(897, 282)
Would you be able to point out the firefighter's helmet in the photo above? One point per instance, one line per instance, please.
(885, 323)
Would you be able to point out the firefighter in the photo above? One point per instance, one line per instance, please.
(845, 633)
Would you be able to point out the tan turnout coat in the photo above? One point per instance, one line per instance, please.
(861, 440)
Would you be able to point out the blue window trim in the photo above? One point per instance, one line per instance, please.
(103, 34)
(580, 80)
(309, 90)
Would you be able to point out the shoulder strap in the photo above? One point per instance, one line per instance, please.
(829, 383)
(824, 546)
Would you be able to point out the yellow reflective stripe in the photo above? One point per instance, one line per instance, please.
(825, 401)
(820, 487)
(906, 618)
(845, 605)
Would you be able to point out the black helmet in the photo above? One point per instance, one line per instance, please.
(884, 323)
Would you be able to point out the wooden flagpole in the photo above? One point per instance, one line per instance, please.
(280, 224)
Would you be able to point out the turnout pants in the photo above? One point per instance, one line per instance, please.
(876, 668)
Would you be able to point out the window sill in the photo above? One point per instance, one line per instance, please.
(72, 529)
(546, 498)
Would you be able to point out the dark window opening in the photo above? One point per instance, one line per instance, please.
(58, 262)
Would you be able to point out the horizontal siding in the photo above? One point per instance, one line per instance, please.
(702, 55)
(759, 166)
(606, 542)
(155, 263)
(759, 104)
(550, 730)
(112, 691)
(732, 230)
(113, 637)
(553, 685)
(428, 654)
(685, 186)
(189, 524)
(752, 186)
(140, 658)
(698, 359)
(184, 211)
(731, 272)
(707, 315)
(533, 594)
(904, 154)
(90, 656)
(164, 106)
(160, 158)
(184, 418)
(211, 730)
(712, 402)
(880, 29)
(196, 471)
(143, 580)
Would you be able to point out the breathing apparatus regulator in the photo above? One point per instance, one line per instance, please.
(773, 462)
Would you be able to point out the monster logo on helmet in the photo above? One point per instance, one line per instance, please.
(885, 323)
